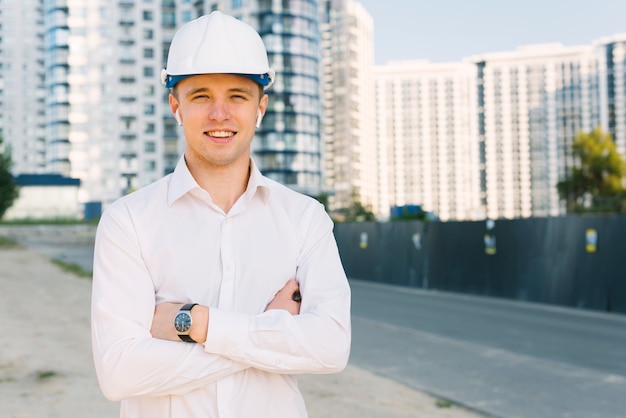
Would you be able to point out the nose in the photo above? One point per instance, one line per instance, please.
(219, 110)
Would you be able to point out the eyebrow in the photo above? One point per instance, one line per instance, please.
(231, 90)
(196, 91)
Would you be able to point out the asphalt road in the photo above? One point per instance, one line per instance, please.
(503, 358)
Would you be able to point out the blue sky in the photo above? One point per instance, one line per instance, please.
(449, 30)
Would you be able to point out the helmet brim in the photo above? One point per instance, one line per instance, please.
(262, 79)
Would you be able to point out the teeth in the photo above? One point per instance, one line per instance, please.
(220, 134)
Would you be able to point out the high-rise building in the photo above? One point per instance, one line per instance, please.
(529, 105)
(611, 53)
(96, 112)
(119, 139)
(22, 90)
(348, 121)
(427, 154)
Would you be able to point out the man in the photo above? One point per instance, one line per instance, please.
(215, 286)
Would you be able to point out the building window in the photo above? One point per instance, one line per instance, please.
(148, 109)
(148, 16)
(148, 53)
(149, 128)
(105, 13)
(150, 165)
(148, 34)
(148, 71)
(149, 146)
(169, 19)
(148, 90)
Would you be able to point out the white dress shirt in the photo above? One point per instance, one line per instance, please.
(168, 242)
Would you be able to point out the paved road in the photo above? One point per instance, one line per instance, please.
(504, 358)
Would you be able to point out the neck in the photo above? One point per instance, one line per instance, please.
(225, 184)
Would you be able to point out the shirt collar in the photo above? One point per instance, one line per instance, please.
(257, 183)
(183, 182)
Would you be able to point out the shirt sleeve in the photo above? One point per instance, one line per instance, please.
(315, 341)
(128, 361)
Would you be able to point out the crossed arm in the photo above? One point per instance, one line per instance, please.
(164, 313)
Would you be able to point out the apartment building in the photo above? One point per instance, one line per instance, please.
(611, 53)
(491, 136)
(22, 89)
(348, 120)
(119, 140)
(530, 104)
(427, 154)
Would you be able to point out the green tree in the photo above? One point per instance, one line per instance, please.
(596, 183)
(8, 188)
(323, 199)
(356, 212)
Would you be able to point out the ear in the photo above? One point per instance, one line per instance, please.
(261, 110)
(175, 109)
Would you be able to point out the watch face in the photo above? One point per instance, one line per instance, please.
(182, 322)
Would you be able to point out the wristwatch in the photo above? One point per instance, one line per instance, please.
(182, 322)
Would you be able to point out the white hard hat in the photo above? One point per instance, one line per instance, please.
(217, 43)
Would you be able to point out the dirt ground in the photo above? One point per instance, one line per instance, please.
(46, 368)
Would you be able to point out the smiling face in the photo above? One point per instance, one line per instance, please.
(219, 113)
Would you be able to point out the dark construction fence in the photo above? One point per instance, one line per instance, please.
(576, 261)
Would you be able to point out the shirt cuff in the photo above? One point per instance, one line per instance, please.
(227, 333)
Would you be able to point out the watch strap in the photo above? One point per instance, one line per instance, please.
(186, 338)
(188, 306)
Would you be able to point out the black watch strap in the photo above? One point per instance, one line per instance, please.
(186, 338)
(188, 306)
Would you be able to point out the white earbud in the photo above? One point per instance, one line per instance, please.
(177, 117)
(259, 118)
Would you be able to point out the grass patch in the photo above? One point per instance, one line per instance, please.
(52, 221)
(45, 374)
(442, 403)
(8, 242)
(72, 268)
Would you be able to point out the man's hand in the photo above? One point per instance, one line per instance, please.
(287, 298)
(163, 322)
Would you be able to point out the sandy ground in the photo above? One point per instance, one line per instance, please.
(46, 368)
